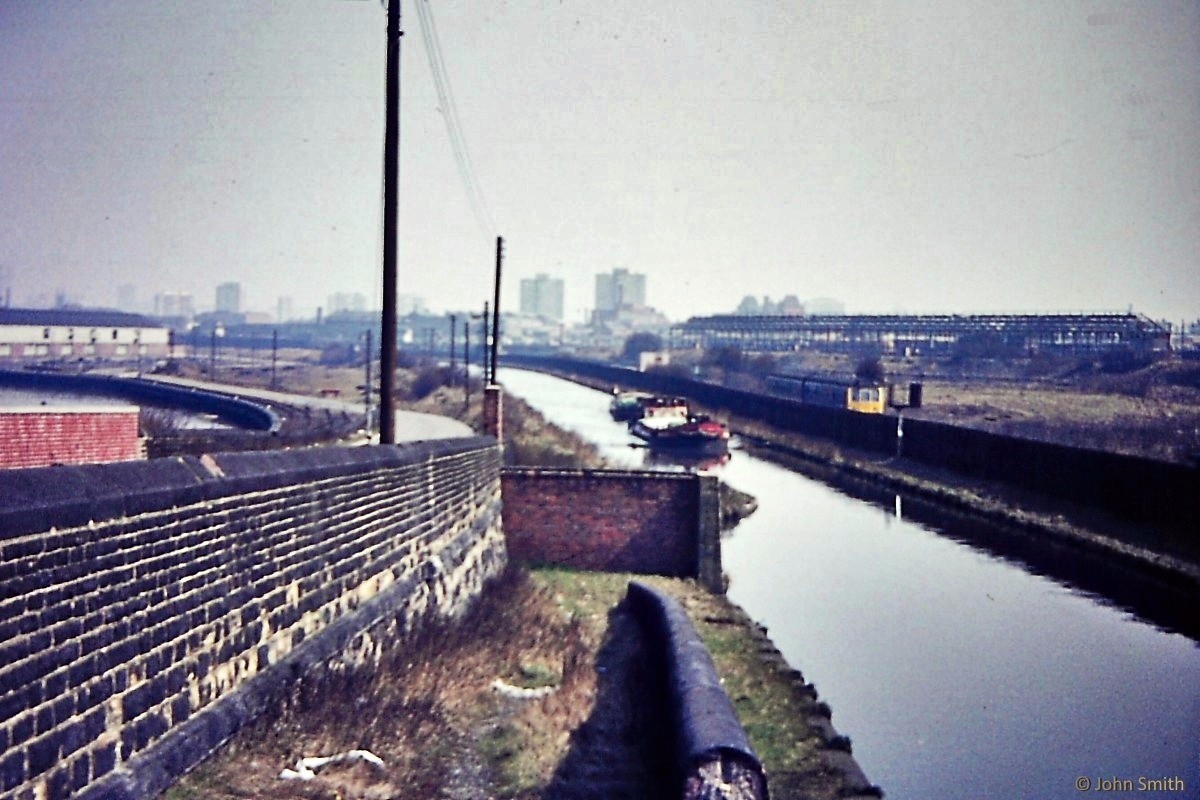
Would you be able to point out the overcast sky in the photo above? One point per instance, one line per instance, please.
(926, 155)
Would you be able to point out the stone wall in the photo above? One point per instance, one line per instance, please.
(657, 523)
(149, 609)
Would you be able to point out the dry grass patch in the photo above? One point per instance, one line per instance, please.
(1157, 426)
(430, 712)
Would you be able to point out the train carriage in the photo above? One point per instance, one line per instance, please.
(866, 397)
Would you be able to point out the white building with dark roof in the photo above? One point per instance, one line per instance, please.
(33, 334)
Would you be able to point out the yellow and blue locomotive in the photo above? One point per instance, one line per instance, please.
(866, 397)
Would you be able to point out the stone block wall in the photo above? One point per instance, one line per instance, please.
(645, 522)
(149, 609)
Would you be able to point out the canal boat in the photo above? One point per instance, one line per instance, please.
(626, 406)
(631, 406)
(691, 433)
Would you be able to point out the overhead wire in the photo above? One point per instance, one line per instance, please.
(449, 109)
(454, 123)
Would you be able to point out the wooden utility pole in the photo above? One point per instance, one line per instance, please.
(367, 388)
(467, 365)
(496, 306)
(486, 374)
(212, 356)
(391, 205)
(453, 346)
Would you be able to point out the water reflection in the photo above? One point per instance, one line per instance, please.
(654, 459)
(1155, 597)
(956, 671)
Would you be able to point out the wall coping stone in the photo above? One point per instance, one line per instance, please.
(557, 472)
(35, 499)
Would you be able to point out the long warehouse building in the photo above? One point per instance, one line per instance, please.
(928, 334)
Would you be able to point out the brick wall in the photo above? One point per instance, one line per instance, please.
(39, 438)
(149, 609)
(625, 521)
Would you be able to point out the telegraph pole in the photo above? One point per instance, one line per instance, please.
(486, 374)
(493, 397)
(453, 346)
(391, 205)
(467, 365)
(367, 388)
(496, 306)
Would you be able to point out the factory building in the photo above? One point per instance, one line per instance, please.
(28, 334)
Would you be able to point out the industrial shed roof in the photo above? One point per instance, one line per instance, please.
(76, 317)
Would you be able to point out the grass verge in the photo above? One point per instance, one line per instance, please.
(430, 712)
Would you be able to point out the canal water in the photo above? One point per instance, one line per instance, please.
(963, 660)
(30, 398)
(36, 398)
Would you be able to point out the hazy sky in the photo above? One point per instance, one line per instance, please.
(926, 155)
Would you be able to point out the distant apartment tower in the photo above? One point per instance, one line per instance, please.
(229, 297)
(285, 309)
(619, 288)
(542, 296)
(174, 304)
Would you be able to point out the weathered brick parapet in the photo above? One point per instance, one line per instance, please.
(45, 435)
(149, 609)
(646, 522)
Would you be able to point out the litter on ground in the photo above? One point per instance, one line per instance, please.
(306, 768)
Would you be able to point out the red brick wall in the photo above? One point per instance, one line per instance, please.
(642, 522)
(42, 438)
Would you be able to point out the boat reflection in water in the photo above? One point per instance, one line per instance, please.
(689, 462)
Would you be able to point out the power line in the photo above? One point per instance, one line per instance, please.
(458, 143)
(449, 108)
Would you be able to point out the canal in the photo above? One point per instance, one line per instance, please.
(168, 417)
(962, 659)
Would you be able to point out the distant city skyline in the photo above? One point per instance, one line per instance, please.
(920, 156)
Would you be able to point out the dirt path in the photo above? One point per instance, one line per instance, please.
(431, 714)
(618, 752)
